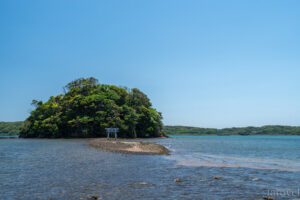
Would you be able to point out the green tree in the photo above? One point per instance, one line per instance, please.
(86, 108)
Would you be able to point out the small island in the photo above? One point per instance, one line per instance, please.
(86, 108)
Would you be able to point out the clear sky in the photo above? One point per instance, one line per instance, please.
(202, 63)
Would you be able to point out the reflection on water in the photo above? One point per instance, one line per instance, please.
(68, 169)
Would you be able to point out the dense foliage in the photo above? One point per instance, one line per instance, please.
(87, 108)
(10, 128)
(264, 130)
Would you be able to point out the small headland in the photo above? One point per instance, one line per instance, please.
(131, 147)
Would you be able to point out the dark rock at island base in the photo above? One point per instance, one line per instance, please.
(177, 180)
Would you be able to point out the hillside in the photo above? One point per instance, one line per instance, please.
(10, 128)
(264, 130)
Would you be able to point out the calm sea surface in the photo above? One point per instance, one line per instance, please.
(68, 169)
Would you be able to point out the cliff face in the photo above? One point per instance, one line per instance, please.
(87, 108)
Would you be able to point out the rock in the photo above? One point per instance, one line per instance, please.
(268, 198)
(143, 183)
(255, 179)
(177, 180)
(206, 181)
(94, 196)
(217, 177)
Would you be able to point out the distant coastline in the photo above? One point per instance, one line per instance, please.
(13, 129)
(263, 130)
(10, 128)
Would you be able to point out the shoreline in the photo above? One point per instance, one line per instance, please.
(129, 147)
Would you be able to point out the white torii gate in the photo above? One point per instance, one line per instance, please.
(112, 130)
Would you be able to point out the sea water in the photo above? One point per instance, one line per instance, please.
(250, 167)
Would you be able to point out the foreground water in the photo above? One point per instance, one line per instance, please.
(251, 167)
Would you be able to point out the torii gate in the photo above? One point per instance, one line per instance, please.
(112, 130)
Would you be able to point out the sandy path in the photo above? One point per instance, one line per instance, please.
(120, 146)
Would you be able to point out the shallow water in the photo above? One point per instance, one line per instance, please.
(262, 152)
(69, 169)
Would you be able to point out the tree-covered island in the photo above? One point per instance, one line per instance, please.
(86, 108)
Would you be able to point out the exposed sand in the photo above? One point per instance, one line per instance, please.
(119, 146)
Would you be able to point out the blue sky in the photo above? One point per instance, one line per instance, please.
(202, 63)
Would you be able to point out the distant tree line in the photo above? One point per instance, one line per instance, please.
(13, 128)
(264, 130)
(86, 108)
(10, 128)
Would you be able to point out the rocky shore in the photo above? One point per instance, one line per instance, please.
(125, 146)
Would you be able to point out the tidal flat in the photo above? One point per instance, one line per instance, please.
(128, 146)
